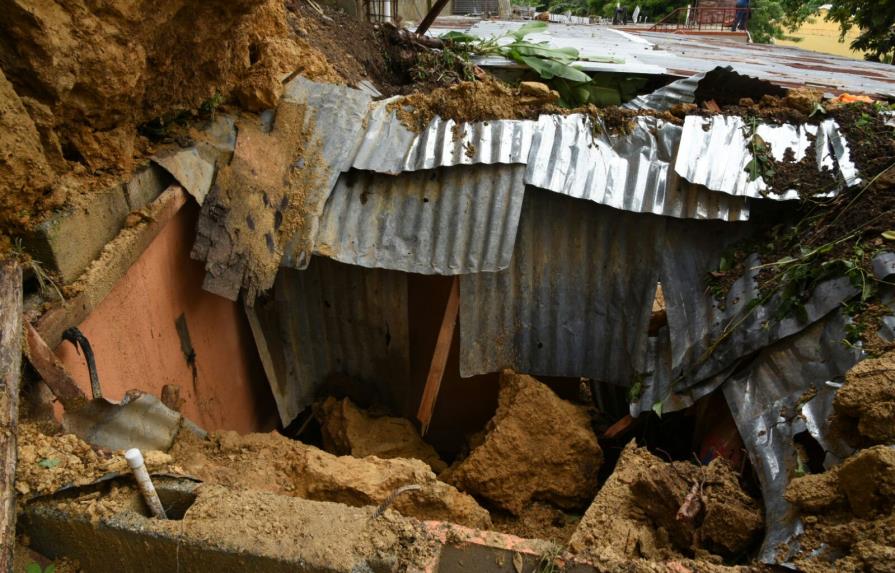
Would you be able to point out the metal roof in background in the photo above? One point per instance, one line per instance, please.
(630, 171)
(653, 53)
(444, 221)
(576, 299)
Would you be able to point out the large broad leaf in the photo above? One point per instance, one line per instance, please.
(458, 37)
(567, 55)
(604, 97)
(529, 28)
(549, 69)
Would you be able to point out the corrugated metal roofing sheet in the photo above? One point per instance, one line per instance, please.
(388, 146)
(686, 54)
(444, 221)
(767, 400)
(707, 336)
(627, 171)
(335, 124)
(715, 152)
(576, 300)
(333, 321)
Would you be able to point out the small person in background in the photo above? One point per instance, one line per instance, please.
(739, 23)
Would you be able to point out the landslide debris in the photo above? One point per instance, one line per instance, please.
(349, 431)
(643, 511)
(48, 461)
(848, 514)
(271, 462)
(864, 408)
(537, 447)
(81, 76)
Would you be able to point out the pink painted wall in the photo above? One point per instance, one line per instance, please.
(135, 340)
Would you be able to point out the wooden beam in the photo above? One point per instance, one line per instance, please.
(10, 367)
(439, 357)
(620, 427)
(430, 16)
(51, 370)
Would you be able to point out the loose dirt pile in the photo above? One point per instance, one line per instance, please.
(865, 406)
(655, 510)
(473, 101)
(85, 75)
(537, 447)
(349, 431)
(48, 462)
(271, 462)
(849, 514)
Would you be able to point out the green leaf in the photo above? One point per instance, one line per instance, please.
(604, 97)
(529, 28)
(565, 55)
(458, 37)
(33, 568)
(51, 568)
(726, 264)
(549, 69)
(889, 235)
(48, 463)
(657, 408)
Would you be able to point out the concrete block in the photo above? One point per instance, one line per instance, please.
(70, 240)
(146, 185)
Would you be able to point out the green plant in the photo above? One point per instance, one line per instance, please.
(762, 163)
(548, 563)
(34, 567)
(553, 65)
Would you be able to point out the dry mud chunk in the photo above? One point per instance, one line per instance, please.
(271, 462)
(538, 447)
(868, 480)
(816, 493)
(636, 512)
(867, 400)
(348, 430)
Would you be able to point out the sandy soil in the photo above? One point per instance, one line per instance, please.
(538, 447)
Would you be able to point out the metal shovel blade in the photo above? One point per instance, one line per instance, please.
(138, 421)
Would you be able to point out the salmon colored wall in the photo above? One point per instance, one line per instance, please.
(135, 340)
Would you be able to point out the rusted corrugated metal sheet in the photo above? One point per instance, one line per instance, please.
(445, 221)
(627, 171)
(576, 300)
(329, 322)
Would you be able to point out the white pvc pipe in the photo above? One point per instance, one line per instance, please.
(144, 482)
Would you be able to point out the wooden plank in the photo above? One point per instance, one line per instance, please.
(51, 370)
(623, 425)
(10, 367)
(430, 16)
(439, 357)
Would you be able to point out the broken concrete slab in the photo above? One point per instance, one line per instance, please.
(223, 530)
(537, 447)
(272, 462)
(71, 239)
(348, 430)
(146, 185)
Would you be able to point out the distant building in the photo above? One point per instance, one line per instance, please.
(820, 35)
